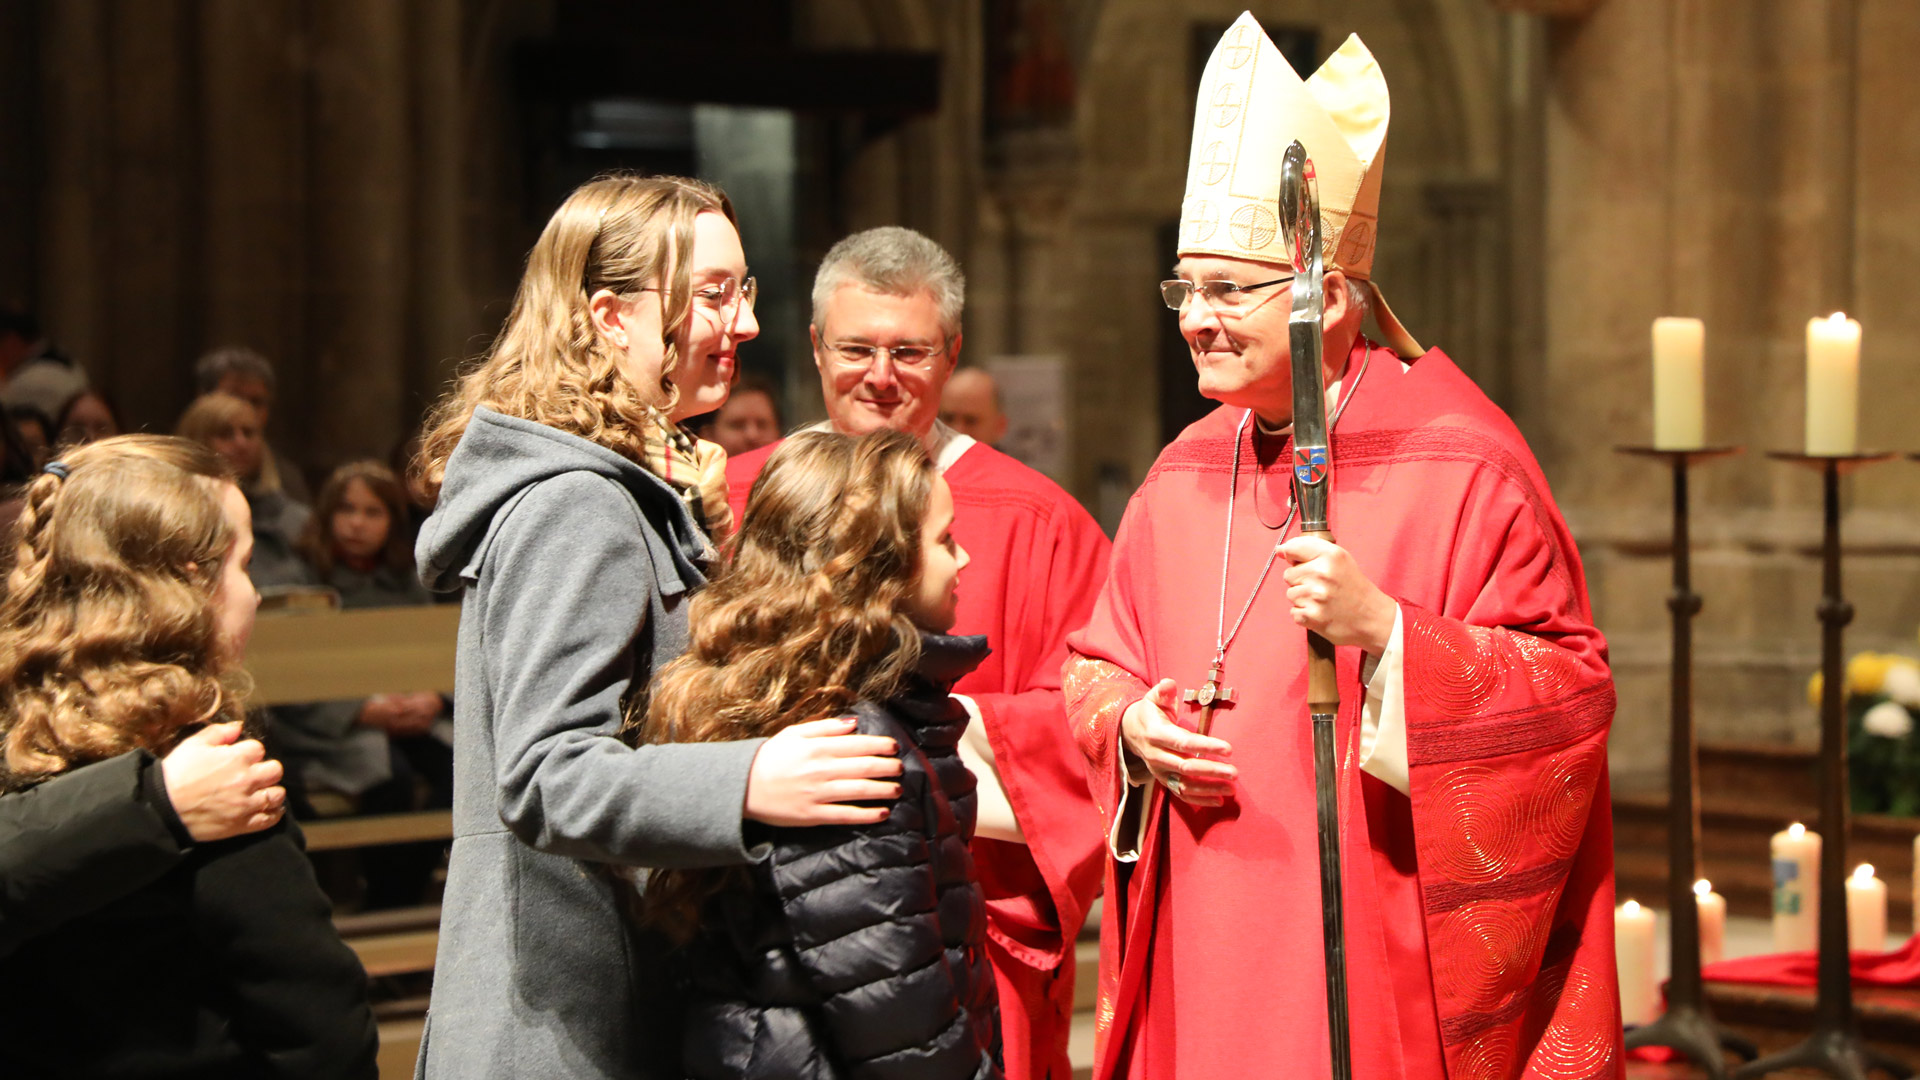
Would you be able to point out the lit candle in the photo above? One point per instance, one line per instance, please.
(1833, 385)
(1679, 394)
(1713, 921)
(1796, 889)
(1633, 952)
(1866, 911)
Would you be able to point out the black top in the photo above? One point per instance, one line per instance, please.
(225, 966)
(861, 952)
(82, 840)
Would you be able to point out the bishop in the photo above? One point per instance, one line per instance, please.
(1476, 695)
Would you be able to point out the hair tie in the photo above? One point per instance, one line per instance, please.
(58, 468)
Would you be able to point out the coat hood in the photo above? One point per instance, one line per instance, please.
(500, 457)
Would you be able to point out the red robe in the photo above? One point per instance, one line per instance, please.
(1038, 560)
(1479, 913)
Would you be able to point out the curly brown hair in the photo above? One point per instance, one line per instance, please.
(808, 617)
(620, 232)
(108, 634)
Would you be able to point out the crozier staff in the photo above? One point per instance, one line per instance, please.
(1475, 694)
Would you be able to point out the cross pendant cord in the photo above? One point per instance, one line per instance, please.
(1222, 637)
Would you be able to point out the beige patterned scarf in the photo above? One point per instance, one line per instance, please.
(694, 468)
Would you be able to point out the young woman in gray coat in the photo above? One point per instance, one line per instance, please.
(578, 518)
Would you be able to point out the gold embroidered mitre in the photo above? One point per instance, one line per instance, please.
(1252, 105)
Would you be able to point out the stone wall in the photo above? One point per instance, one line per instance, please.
(329, 183)
(1748, 164)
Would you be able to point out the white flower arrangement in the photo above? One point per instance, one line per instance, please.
(1888, 720)
(1903, 683)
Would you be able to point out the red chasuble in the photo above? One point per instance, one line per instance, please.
(1038, 561)
(1478, 912)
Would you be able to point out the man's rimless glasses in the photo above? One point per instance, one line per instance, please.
(1219, 295)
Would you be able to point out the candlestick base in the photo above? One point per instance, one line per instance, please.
(1834, 1052)
(1688, 1025)
(1690, 456)
(1835, 1047)
(1842, 463)
(1688, 1029)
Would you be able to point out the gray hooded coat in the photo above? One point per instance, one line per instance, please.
(577, 565)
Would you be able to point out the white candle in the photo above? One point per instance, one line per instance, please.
(1866, 911)
(1833, 385)
(1713, 921)
(1633, 952)
(1679, 384)
(1796, 889)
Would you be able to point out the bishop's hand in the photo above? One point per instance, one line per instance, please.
(1185, 762)
(1330, 595)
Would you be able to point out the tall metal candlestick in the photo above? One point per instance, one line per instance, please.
(1835, 1047)
(1688, 1025)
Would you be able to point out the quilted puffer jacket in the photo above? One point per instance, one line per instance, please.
(859, 953)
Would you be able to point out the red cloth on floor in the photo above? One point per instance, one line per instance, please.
(1900, 967)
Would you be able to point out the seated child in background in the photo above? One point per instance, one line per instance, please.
(373, 750)
(837, 599)
(228, 964)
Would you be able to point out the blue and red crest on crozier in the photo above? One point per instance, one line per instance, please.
(1310, 464)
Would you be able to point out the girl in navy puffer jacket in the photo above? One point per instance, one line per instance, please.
(846, 951)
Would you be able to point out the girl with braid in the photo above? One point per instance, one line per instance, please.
(126, 614)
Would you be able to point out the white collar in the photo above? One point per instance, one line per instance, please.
(944, 445)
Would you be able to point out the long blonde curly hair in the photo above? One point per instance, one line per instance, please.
(622, 232)
(108, 633)
(808, 617)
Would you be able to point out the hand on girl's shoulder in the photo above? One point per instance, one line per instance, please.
(808, 773)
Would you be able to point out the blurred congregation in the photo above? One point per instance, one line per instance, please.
(341, 542)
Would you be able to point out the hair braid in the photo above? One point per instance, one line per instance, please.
(33, 534)
(108, 638)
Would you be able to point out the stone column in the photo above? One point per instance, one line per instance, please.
(443, 331)
(253, 196)
(361, 183)
(152, 304)
(74, 292)
(20, 166)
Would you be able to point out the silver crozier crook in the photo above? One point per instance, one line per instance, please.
(1312, 476)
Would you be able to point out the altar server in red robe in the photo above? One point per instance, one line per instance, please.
(1475, 692)
(886, 336)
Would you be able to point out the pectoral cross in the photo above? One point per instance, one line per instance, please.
(1210, 694)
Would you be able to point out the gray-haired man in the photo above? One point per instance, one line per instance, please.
(886, 337)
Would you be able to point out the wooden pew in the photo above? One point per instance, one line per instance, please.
(297, 658)
(375, 830)
(301, 657)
